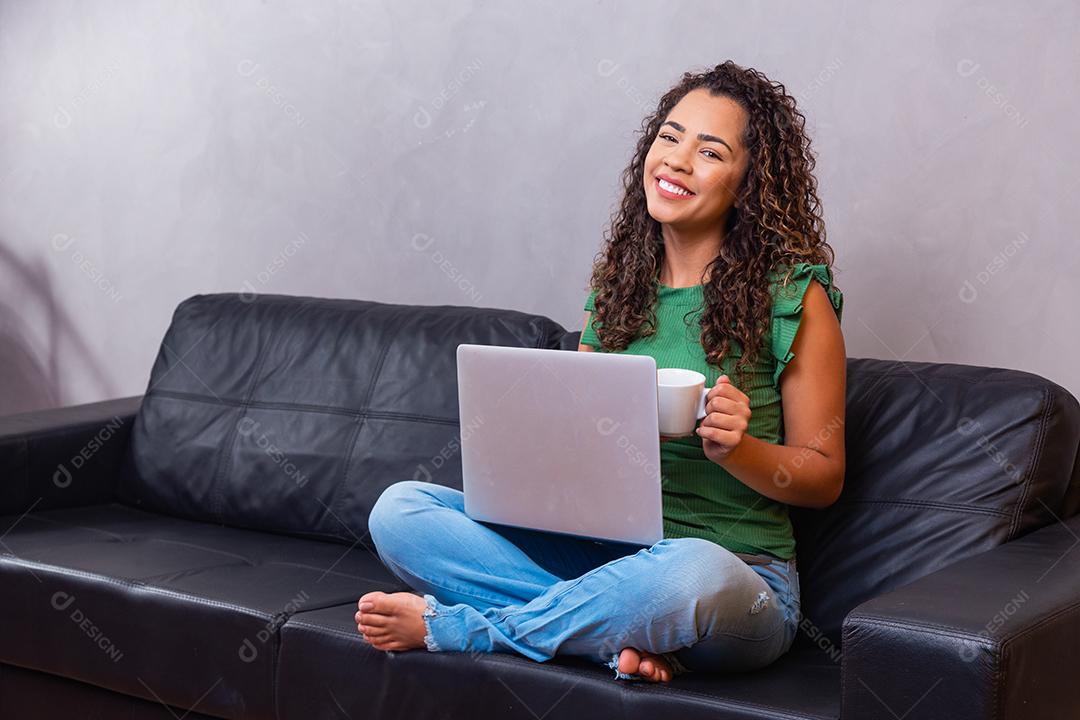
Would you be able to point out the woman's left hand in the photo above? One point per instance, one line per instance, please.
(727, 416)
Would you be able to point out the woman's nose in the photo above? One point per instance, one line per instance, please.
(677, 159)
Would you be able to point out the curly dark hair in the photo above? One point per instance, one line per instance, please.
(775, 223)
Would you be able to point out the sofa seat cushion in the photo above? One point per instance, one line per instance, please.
(31, 694)
(323, 661)
(166, 609)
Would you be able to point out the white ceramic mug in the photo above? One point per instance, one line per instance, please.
(680, 397)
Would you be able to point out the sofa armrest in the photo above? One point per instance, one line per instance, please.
(994, 635)
(63, 456)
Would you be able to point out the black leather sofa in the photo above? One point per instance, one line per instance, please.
(197, 551)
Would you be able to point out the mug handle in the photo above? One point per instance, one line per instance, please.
(702, 402)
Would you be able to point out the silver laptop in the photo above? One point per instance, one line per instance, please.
(561, 441)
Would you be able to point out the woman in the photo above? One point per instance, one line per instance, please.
(714, 249)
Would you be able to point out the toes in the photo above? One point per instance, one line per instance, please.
(376, 639)
(661, 673)
(372, 597)
(648, 665)
(379, 642)
(384, 603)
(629, 660)
(373, 619)
(654, 667)
(380, 609)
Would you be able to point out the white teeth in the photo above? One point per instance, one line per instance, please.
(673, 188)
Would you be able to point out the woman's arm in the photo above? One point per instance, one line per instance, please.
(808, 469)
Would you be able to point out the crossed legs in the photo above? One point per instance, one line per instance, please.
(488, 588)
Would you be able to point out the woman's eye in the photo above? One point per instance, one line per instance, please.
(668, 136)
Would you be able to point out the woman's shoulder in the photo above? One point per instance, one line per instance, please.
(789, 285)
(789, 282)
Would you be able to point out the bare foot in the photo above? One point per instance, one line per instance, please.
(394, 621)
(648, 665)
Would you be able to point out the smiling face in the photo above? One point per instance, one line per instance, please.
(699, 150)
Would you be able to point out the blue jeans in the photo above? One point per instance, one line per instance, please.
(496, 588)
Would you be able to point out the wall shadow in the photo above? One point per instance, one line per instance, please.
(30, 376)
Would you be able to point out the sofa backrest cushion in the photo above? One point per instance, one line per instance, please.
(944, 461)
(292, 414)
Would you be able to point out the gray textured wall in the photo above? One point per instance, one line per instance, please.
(468, 153)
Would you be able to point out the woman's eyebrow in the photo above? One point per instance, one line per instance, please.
(701, 136)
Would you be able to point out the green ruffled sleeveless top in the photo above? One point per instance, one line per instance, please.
(700, 498)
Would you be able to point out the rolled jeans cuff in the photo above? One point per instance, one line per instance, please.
(430, 612)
